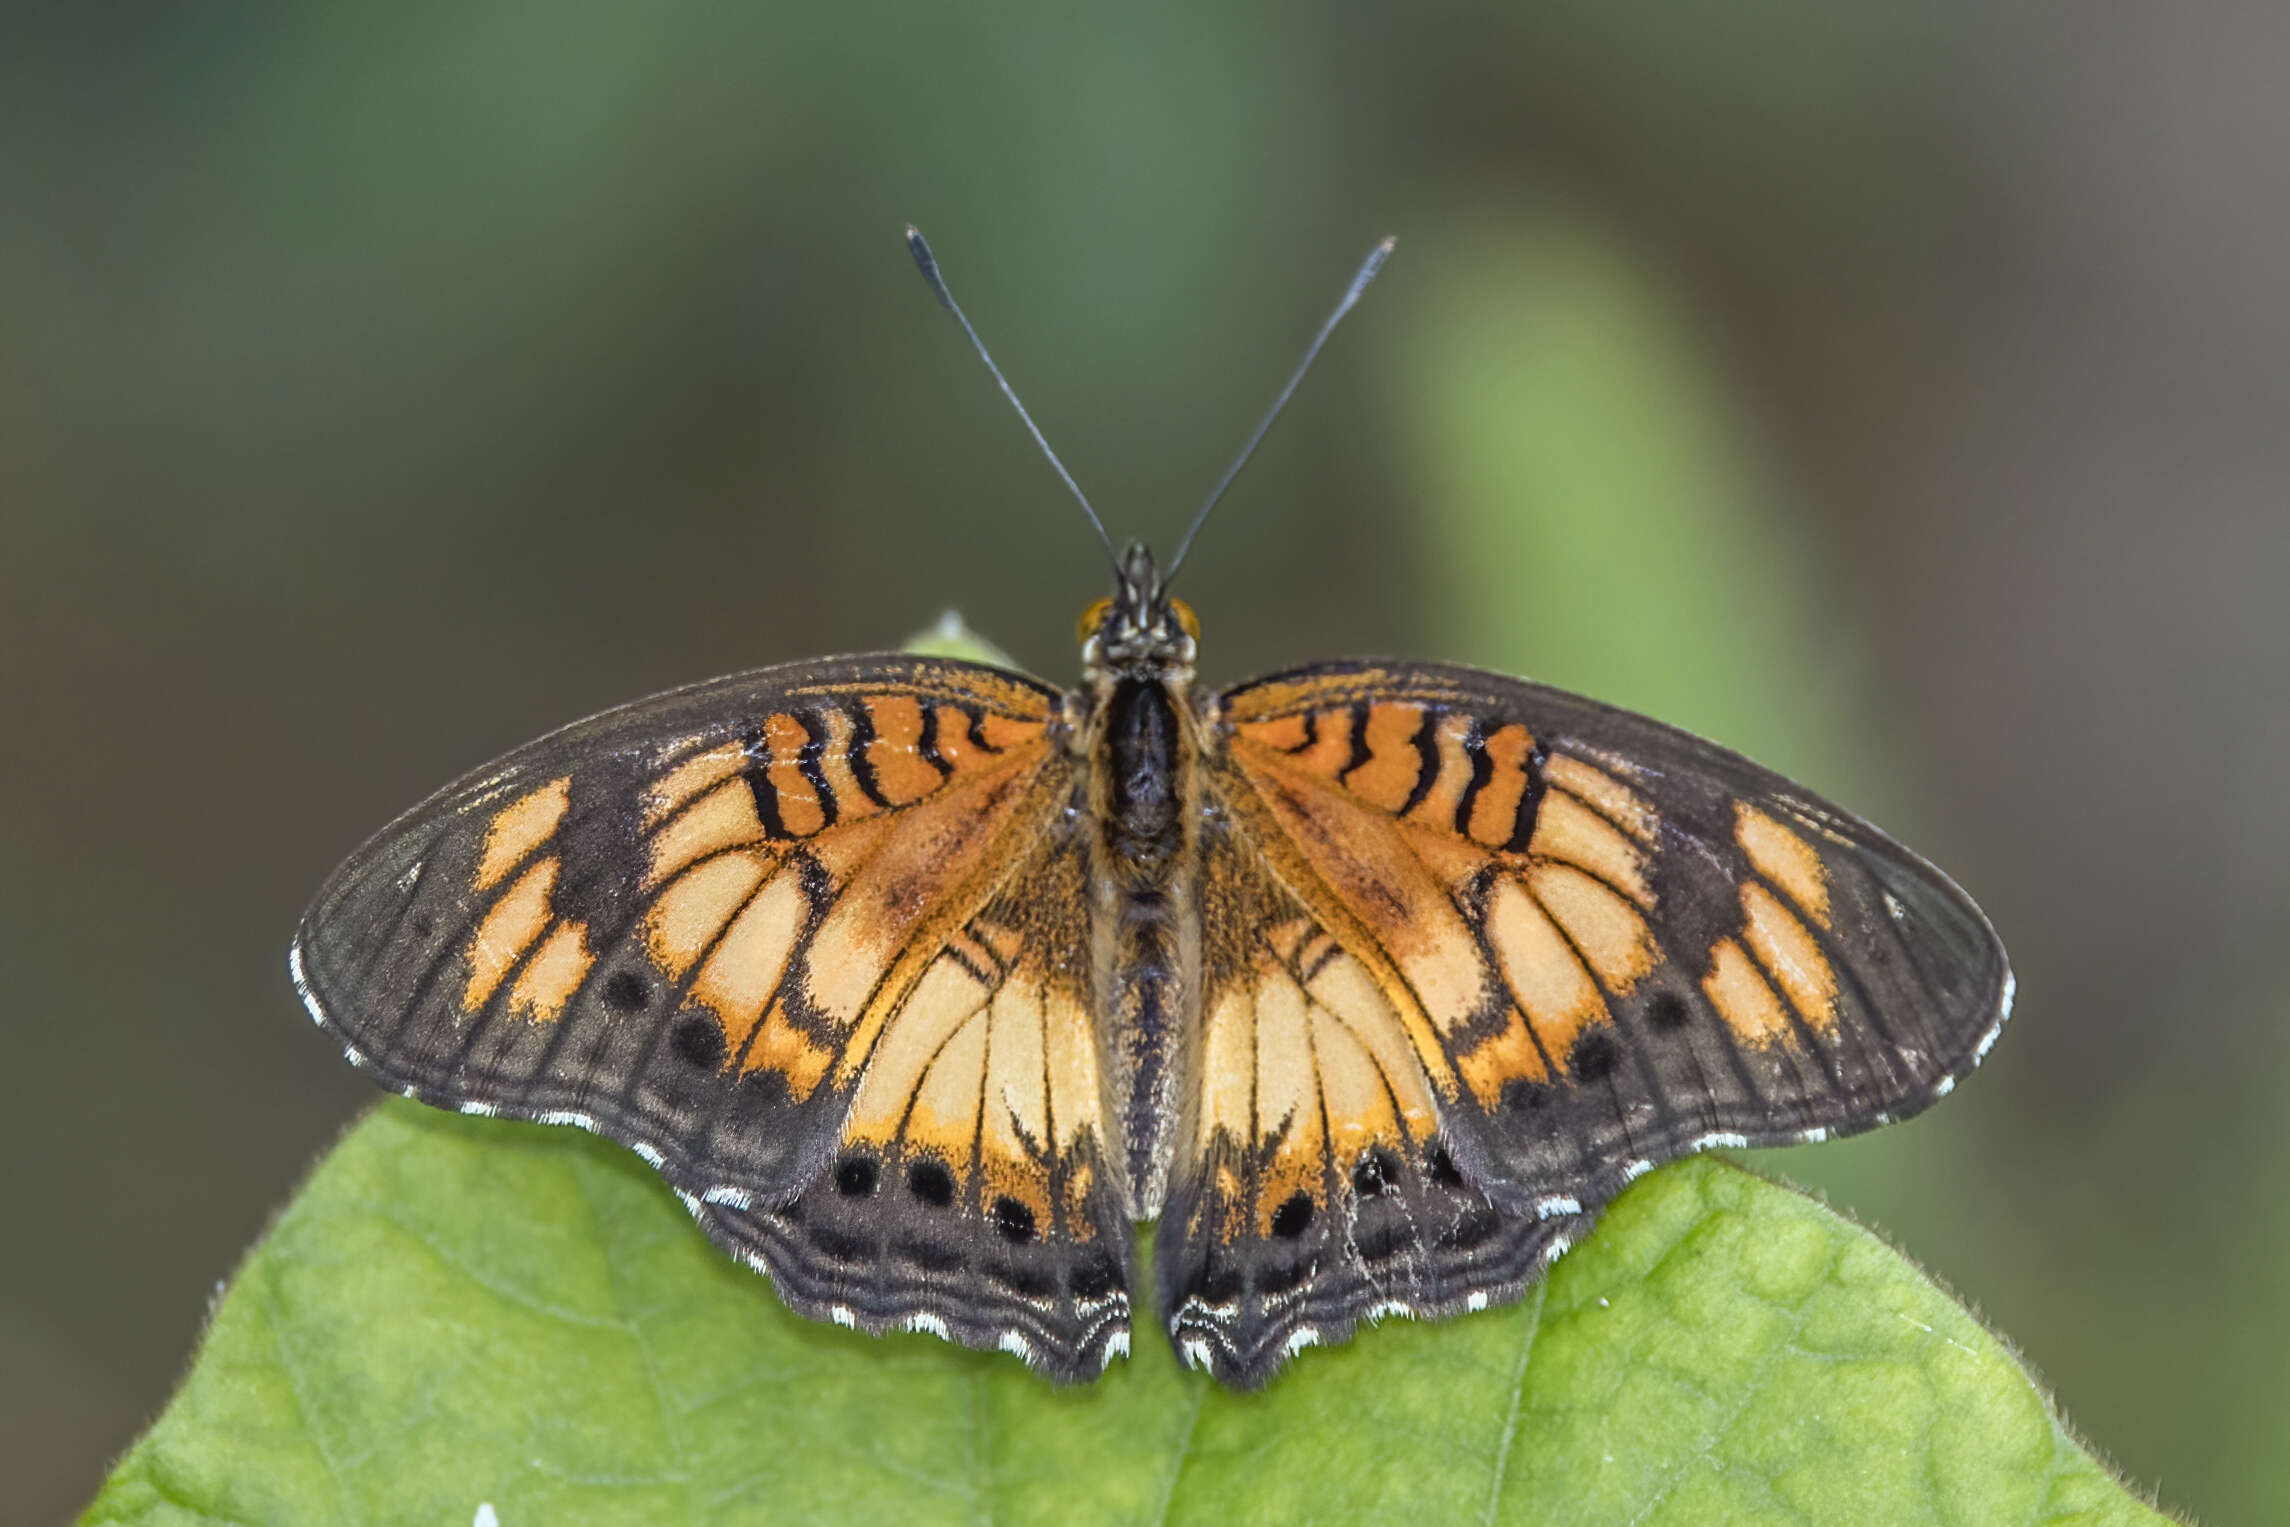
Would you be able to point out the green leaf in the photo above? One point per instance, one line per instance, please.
(457, 1312)
(952, 637)
(460, 1312)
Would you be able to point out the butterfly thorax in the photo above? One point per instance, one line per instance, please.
(1144, 807)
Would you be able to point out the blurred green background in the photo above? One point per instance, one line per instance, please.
(1895, 391)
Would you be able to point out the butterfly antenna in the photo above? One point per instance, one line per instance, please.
(1368, 268)
(927, 263)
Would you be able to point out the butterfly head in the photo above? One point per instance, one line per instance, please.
(1139, 631)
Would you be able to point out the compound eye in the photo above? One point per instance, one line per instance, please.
(1186, 618)
(1093, 619)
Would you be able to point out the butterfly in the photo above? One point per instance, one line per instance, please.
(924, 982)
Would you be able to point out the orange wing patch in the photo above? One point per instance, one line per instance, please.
(800, 950)
(1790, 956)
(1434, 767)
(982, 1086)
(553, 974)
(1501, 894)
(1307, 1071)
(1743, 998)
(505, 940)
(520, 939)
(781, 897)
(519, 828)
(1784, 858)
(805, 769)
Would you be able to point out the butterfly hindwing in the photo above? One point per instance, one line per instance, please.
(1603, 943)
(1315, 1187)
(968, 1194)
(699, 923)
(823, 944)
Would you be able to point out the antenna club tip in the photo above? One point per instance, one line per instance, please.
(927, 263)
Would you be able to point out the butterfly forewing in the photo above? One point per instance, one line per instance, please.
(1610, 943)
(699, 923)
(1465, 954)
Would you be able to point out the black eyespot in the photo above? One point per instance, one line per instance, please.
(1014, 1220)
(1668, 1012)
(1594, 1056)
(1095, 1278)
(1376, 1174)
(1292, 1218)
(1442, 1168)
(699, 1041)
(626, 992)
(855, 1177)
(423, 925)
(931, 1183)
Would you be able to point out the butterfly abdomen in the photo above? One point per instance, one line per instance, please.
(1144, 786)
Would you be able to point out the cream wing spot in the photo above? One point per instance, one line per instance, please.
(1790, 956)
(947, 997)
(1742, 997)
(1547, 981)
(1569, 831)
(1013, 1126)
(687, 916)
(1605, 794)
(1284, 1074)
(1784, 858)
(1344, 990)
(745, 969)
(519, 828)
(866, 926)
(723, 818)
(701, 771)
(1071, 1057)
(1351, 1088)
(1017, 1105)
(1606, 930)
(1288, 1106)
(507, 931)
(555, 971)
(944, 1119)
(1228, 1066)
